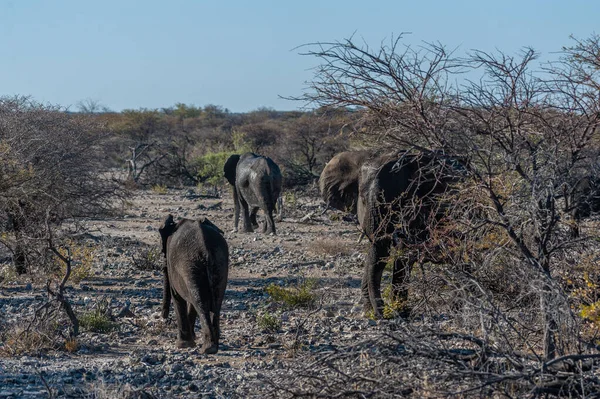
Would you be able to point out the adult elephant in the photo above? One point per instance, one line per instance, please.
(397, 197)
(197, 264)
(256, 182)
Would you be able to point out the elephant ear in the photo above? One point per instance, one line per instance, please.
(338, 182)
(166, 229)
(230, 167)
(204, 221)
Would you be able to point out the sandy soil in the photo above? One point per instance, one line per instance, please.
(139, 354)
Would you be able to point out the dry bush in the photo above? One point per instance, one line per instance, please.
(51, 170)
(18, 342)
(49, 330)
(148, 259)
(414, 360)
(330, 247)
(102, 390)
(494, 253)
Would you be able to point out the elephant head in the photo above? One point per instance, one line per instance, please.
(340, 178)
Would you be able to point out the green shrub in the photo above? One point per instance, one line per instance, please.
(298, 296)
(82, 261)
(240, 141)
(159, 189)
(393, 307)
(98, 319)
(268, 322)
(290, 200)
(210, 167)
(334, 217)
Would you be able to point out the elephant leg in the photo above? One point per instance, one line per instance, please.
(192, 314)
(202, 305)
(246, 215)
(236, 210)
(400, 277)
(166, 302)
(253, 218)
(211, 343)
(375, 264)
(216, 321)
(269, 226)
(364, 289)
(184, 339)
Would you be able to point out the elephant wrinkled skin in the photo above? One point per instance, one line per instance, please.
(395, 202)
(195, 276)
(256, 182)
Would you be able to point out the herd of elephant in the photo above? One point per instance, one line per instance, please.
(372, 186)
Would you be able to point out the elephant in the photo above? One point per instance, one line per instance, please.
(256, 181)
(338, 182)
(395, 201)
(195, 275)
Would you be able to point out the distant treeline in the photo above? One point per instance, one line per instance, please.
(187, 145)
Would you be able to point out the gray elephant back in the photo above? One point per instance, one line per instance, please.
(199, 240)
(380, 185)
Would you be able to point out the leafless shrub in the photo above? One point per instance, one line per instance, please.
(50, 173)
(417, 361)
(147, 259)
(522, 139)
(53, 326)
(102, 390)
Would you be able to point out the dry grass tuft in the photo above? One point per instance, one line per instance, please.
(330, 247)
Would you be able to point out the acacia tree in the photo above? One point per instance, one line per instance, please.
(521, 135)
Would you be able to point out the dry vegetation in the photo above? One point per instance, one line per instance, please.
(504, 291)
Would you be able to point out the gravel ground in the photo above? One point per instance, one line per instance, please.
(138, 357)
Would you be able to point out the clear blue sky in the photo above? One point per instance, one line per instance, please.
(240, 54)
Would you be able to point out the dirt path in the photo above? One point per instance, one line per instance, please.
(139, 353)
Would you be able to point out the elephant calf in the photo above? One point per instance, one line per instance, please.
(197, 265)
